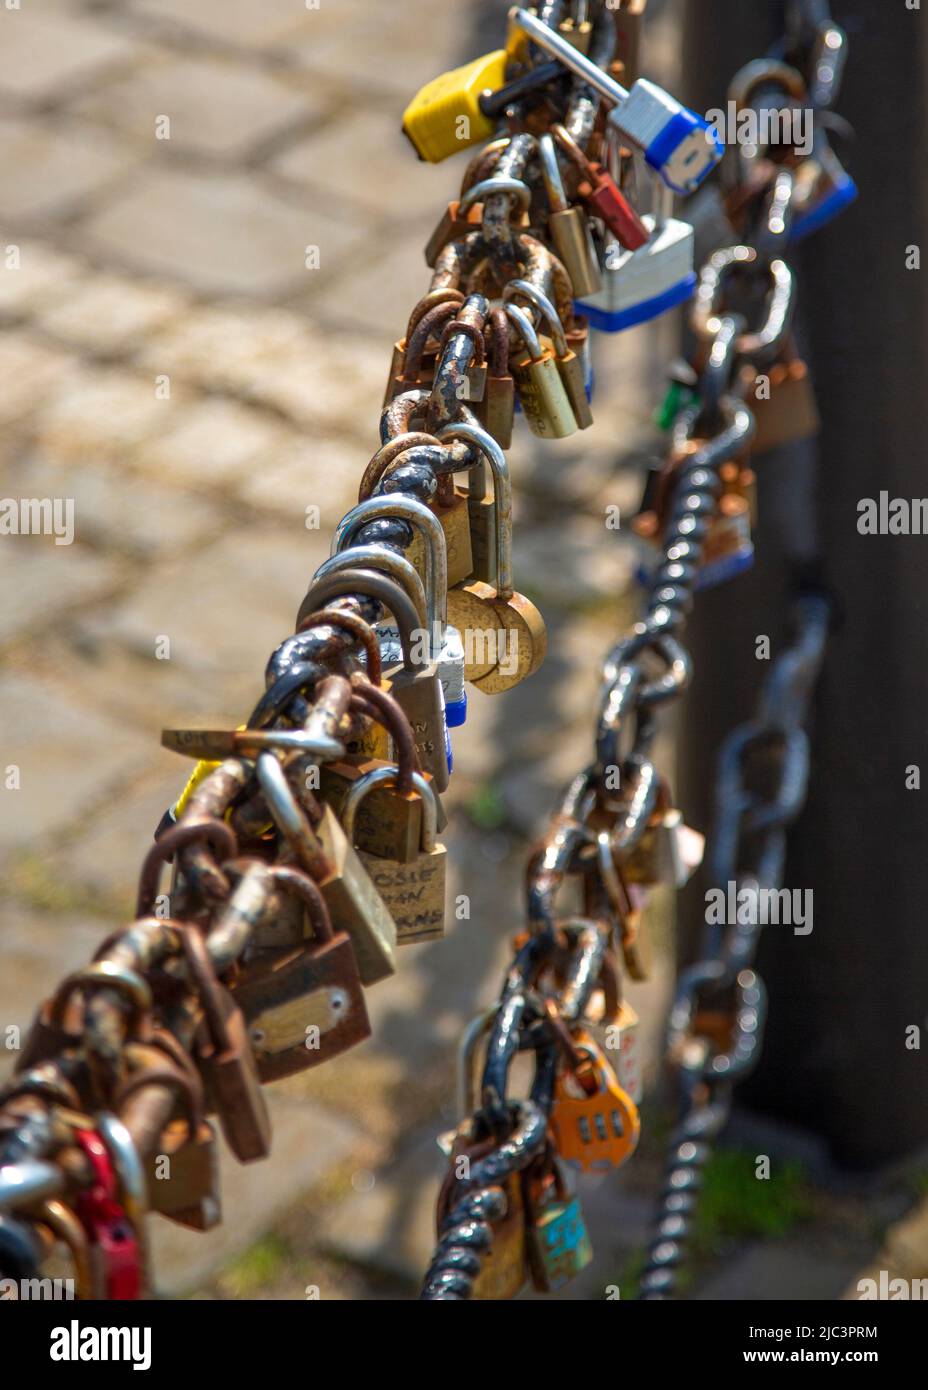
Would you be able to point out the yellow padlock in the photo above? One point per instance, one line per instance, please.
(445, 116)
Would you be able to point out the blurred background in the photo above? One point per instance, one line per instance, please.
(213, 230)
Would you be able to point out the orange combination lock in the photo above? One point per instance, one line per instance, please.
(594, 1122)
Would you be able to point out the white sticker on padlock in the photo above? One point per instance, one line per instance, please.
(685, 848)
(629, 1062)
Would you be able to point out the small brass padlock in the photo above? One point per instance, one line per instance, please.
(413, 889)
(504, 634)
(352, 901)
(569, 365)
(789, 413)
(544, 401)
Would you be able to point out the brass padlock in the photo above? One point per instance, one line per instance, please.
(504, 634)
(543, 398)
(789, 413)
(352, 901)
(569, 365)
(568, 226)
(414, 684)
(413, 890)
(303, 1004)
(504, 1268)
(183, 1176)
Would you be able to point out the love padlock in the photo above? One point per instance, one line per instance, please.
(593, 1121)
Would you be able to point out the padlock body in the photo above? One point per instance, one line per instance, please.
(558, 1245)
(433, 119)
(388, 822)
(414, 893)
(233, 1089)
(640, 285)
(303, 1006)
(354, 904)
(421, 699)
(456, 526)
(504, 1270)
(183, 1176)
(573, 243)
(544, 401)
(497, 414)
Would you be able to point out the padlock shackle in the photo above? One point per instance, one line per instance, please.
(543, 304)
(390, 776)
(132, 1185)
(551, 174)
(206, 984)
(289, 816)
(382, 707)
(369, 584)
(526, 330)
(104, 974)
(488, 188)
(502, 493)
(380, 557)
(417, 514)
(305, 888)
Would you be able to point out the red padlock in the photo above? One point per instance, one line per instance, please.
(602, 195)
(108, 1227)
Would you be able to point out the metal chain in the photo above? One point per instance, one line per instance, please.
(649, 668)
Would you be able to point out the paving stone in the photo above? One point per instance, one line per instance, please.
(393, 55)
(226, 348)
(225, 234)
(225, 608)
(321, 472)
(338, 387)
(105, 857)
(109, 314)
(308, 1142)
(105, 413)
(215, 106)
(118, 511)
(215, 442)
(48, 579)
(391, 1226)
(48, 169)
(67, 756)
(42, 275)
(45, 54)
(235, 21)
(364, 158)
(778, 1271)
(376, 294)
(30, 371)
(38, 950)
(576, 561)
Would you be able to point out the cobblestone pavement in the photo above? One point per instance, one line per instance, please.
(210, 239)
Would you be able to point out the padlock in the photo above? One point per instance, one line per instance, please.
(64, 1226)
(640, 285)
(604, 199)
(415, 684)
(789, 413)
(593, 1121)
(668, 852)
(303, 1005)
(821, 190)
(225, 1058)
(444, 643)
(568, 226)
(183, 1176)
(413, 889)
(389, 822)
(456, 222)
(504, 1268)
(569, 365)
(353, 903)
(557, 1241)
(504, 633)
(628, 1064)
(544, 401)
(679, 144)
(497, 409)
(113, 1208)
(445, 116)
